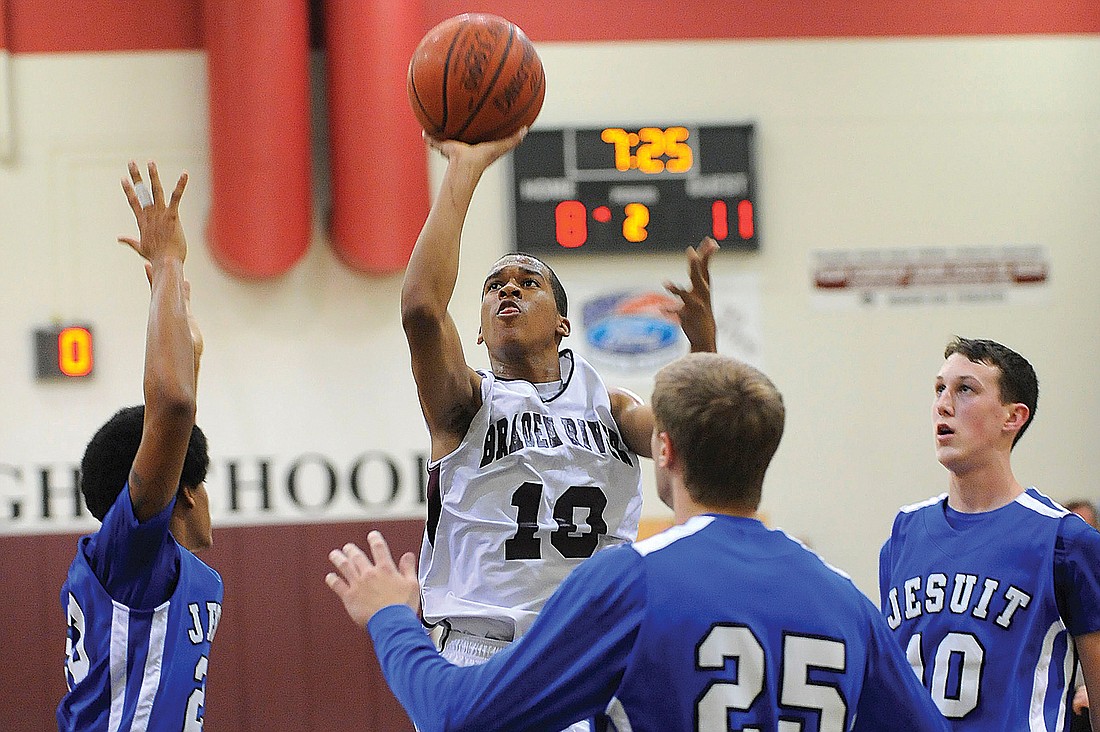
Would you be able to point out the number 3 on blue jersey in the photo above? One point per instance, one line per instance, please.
(725, 642)
(76, 658)
(570, 542)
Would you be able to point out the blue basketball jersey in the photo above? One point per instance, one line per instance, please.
(717, 624)
(134, 669)
(974, 601)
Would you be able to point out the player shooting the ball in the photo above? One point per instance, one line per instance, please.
(534, 462)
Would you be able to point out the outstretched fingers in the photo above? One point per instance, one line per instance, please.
(154, 184)
(131, 189)
(699, 263)
(407, 566)
(357, 558)
(130, 242)
(676, 290)
(337, 583)
(349, 562)
(366, 584)
(177, 193)
(142, 195)
(139, 196)
(160, 231)
(353, 564)
(693, 304)
(380, 552)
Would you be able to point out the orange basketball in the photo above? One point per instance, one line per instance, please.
(475, 77)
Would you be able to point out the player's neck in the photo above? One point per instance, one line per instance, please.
(538, 368)
(183, 534)
(684, 508)
(984, 488)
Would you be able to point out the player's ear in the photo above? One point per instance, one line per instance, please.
(1017, 417)
(564, 328)
(480, 340)
(186, 495)
(666, 451)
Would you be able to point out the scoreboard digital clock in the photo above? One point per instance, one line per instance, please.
(623, 190)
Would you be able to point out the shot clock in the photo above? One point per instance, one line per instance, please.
(63, 351)
(633, 190)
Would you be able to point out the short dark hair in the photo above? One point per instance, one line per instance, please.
(105, 467)
(725, 419)
(1018, 381)
(560, 298)
(1077, 504)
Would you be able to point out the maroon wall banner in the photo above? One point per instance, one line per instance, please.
(285, 656)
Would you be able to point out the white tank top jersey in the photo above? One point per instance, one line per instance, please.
(538, 484)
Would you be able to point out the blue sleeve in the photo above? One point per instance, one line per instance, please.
(564, 669)
(893, 697)
(137, 562)
(1077, 575)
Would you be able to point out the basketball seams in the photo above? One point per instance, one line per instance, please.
(416, 66)
(424, 115)
(492, 84)
(536, 99)
(446, 83)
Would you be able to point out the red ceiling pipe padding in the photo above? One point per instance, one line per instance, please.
(378, 158)
(3, 25)
(260, 156)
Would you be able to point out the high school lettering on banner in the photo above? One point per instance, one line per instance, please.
(44, 498)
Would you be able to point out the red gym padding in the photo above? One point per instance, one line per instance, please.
(378, 159)
(5, 80)
(258, 67)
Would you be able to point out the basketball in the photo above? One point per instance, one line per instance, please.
(475, 77)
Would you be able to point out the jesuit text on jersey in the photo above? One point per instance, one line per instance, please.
(936, 593)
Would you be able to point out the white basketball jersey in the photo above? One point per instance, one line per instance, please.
(537, 485)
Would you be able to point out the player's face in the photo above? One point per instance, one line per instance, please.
(517, 306)
(968, 418)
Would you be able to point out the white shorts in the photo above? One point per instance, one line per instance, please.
(462, 649)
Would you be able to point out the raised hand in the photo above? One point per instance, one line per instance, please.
(695, 310)
(481, 155)
(160, 233)
(367, 584)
